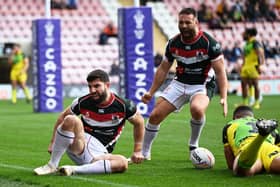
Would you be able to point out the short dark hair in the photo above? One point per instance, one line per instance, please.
(242, 111)
(188, 11)
(98, 74)
(251, 31)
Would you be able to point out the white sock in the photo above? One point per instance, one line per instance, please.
(100, 166)
(196, 129)
(62, 140)
(151, 132)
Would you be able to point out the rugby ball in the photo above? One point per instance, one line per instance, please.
(202, 158)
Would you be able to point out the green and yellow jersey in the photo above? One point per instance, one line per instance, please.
(238, 132)
(250, 54)
(18, 61)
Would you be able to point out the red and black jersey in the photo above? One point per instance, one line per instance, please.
(193, 58)
(104, 122)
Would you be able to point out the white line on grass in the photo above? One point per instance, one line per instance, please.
(15, 167)
(71, 177)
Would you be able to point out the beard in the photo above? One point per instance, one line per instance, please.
(188, 34)
(102, 97)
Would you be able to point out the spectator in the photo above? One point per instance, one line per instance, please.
(227, 53)
(277, 4)
(109, 31)
(72, 4)
(58, 4)
(144, 2)
(217, 23)
(223, 11)
(115, 70)
(252, 10)
(236, 52)
(269, 14)
(276, 50)
(267, 50)
(237, 12)
(204, 13)
(234, 56)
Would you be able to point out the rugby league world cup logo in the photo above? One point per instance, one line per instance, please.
(139, 19)
(49, 28)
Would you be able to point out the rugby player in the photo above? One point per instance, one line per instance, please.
(251, 146)
(199, 63)
(90, 140)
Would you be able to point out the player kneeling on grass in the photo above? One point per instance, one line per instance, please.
(250, 144)
(89, 140)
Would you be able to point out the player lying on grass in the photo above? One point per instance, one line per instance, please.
(89, 140)
(250, 144)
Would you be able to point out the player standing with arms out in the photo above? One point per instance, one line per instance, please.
(89, 140)
(19, 63)
(250, 144)
(253, 61)
(199, 57)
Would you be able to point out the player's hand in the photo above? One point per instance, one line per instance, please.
(137, 157)
(223, 102)
(146, 97)
(261, 69)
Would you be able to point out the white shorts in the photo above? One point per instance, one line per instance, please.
(179, 94)
(93, 149)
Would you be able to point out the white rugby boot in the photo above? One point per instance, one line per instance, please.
(45, 170)
(265, 126)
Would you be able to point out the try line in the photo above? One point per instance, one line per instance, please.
(71, 177)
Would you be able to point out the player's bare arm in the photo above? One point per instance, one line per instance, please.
(229, 156)
(261, 57)
(159, 78)
(220, 72)
(26, 65)
(59, 120)
(138, 124)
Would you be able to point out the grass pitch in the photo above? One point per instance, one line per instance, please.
(24, 138)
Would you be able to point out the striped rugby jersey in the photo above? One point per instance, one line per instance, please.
(193, 58)
(104, 122)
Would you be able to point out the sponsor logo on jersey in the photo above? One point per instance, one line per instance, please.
(115, 119)
(217, 47)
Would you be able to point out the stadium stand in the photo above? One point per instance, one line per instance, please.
(165, 14)
(165, 19)
(111, 8)
(79, 34)
(81, 27)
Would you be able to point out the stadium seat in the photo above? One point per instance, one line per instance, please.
(165, 20)
(80, 28)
